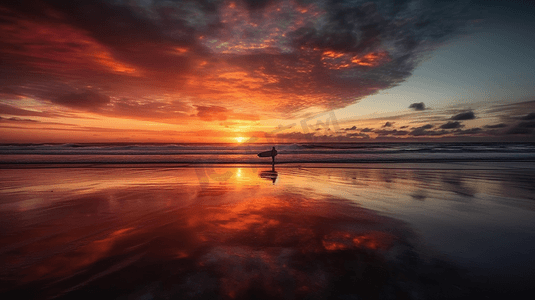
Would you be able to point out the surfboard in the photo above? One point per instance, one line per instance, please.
(269, 153)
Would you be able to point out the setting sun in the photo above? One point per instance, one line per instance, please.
(271, 149)
(240, 139)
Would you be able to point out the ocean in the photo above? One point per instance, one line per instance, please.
(214, 221)
(247, 153)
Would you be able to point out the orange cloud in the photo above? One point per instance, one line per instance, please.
(213, 113)
(163, 61)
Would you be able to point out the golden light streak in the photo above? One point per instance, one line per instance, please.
(371, 59)
(341, 60)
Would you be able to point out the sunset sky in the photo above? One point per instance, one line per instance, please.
(243, 71)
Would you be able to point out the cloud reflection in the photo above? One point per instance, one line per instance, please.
(241, 242)
(140, 232)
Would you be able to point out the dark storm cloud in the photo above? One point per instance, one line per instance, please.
(468, 131)
(393, 132)
(54, 49)
(519, 130)
(417, 106)
(468, 115)
(350, 128)
(367, 28)
(524, 127)
(258, 4)
(529, 124)
(422, 130)
(514, 119)
(122, 25)
(331, 54)
(424, 127)
(512, 111)
(496, 126)
(352, 26)
(451, 125)
(528, 117)
(387, 124)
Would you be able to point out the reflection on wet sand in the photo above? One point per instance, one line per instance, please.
(269, 174)
(159, 233)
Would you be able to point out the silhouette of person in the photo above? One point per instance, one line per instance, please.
(270, 175)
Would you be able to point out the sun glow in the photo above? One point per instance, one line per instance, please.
(240, 139)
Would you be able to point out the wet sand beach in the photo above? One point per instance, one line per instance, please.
(351, 231)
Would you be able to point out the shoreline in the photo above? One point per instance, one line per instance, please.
(352, 164)
(468, 225)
